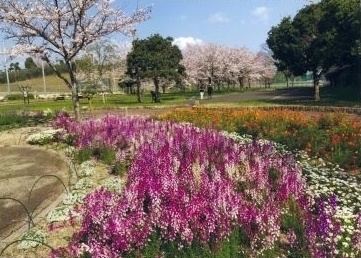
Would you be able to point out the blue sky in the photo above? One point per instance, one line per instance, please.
(243, 23)
(227, 22)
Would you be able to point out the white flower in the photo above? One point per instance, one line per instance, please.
(35, 234)
(83, 183)
(86, 169)
(58, 214)
(114, 184)
(43, 137)
(74, 197)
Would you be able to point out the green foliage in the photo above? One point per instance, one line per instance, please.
(83, 155)
(16, 75)
(15, 119)
(283, 43)
(85, 254)
(291, 221)
(102, 153)
(155, 57)
(19, 96)
(29, 63)
(119, 168)
(227, 248)
(321, 38)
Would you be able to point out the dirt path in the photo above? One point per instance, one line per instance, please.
(22, 179)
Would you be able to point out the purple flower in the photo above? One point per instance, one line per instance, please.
(185, 184)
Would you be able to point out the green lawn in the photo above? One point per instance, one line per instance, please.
(53, 84)
(329, 97)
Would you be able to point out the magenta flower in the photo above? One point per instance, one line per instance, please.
(184, 184)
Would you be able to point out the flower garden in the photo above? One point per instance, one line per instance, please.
(202, 182)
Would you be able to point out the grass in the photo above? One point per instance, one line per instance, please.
(113, 101)
(12, 119)
(346, 97)
(330, 96)
(53, 84)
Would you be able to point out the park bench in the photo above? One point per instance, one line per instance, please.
(61, 97)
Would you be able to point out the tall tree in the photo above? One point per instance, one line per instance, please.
(222, 65)
(29, 63)
(324, 38)
(60, 29)
(155, 58)
(310, 42)
(99, 59)
(341, 34)
(283, 42)
(14, 67)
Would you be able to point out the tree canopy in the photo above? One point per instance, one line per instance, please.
(101, 58)
(155, 58)
(29, 63)
(321, 38)
(218, 64)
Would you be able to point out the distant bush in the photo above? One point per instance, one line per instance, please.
(15, 119)
(18, 96)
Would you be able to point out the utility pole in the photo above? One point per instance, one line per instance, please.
(5, 52)
(42, 69)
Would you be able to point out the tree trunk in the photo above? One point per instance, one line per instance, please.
(240, 81)
(139, 99)
(317, 90)
(316, 79)
(75, 100)
(156, 84)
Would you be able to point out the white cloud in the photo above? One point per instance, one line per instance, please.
(261, 13)
(183, 42)
(218, 18)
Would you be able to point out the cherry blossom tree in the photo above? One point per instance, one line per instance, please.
(100, 59)
(223, 65)
(243, 61)
(203, 63)
(61, 29)
(265, 67)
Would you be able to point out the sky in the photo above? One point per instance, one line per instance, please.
(243, 23)
(234, 23)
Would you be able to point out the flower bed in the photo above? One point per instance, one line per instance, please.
(204, 193)
(331, 136)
